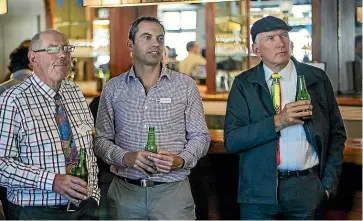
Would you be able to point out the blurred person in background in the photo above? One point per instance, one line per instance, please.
(18, 66)
(193, 59)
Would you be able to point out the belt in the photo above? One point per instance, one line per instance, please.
(63, 208)
(142, 182)
(295, 173)
(58, 207)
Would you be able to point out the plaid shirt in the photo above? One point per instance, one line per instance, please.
(173, 106)
(30, 146)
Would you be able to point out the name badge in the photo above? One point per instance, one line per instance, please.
(166, 100)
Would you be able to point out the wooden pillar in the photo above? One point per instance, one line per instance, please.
(49, 13)
(210, 41)
(245, 14)
(316, 26)
(120, 22)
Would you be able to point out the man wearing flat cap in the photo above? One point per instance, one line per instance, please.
(289, 167)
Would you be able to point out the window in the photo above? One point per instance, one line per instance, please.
(180, 28)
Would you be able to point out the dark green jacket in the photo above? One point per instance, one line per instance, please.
(249, 130)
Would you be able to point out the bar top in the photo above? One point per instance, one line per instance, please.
(352, 151)
(342, 100)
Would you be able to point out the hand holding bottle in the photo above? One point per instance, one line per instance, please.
(73, 188)
(139, 161)
(166, 161)
(292, 113)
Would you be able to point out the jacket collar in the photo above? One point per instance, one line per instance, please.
(301, 69)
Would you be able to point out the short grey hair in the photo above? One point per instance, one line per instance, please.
(36, 42)
(257, 39)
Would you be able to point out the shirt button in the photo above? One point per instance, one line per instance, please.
(145, 107)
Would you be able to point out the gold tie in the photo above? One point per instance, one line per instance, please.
(276, 92)
(276, 101)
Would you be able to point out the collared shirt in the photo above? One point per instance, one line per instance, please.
(30, 146)
(295, 151)
(16, 78)
(187, 65)
(173, 106)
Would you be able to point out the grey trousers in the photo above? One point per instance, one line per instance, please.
(300, 198)
(165, 201)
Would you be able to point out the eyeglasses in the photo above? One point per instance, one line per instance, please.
(56, 49)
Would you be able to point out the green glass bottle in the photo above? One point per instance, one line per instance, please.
(151, 145)
(302, 93)
(80, 170)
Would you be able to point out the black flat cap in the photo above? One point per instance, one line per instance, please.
(268, 23)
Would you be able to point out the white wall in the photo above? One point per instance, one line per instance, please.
(24, 19)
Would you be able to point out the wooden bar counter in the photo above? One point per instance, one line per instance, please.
(352, 151)
(341, 100)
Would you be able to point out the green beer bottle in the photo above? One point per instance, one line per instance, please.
(80, 170)
(302, 93)
(151, 145)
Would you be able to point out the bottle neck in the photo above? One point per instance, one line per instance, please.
(82, 155)
(301, 84)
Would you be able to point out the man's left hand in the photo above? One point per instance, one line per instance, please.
(166, 161)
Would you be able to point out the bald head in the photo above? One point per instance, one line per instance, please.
(37, 40)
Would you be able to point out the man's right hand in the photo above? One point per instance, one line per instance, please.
(291, 113)
(71, 187)
(139, 161)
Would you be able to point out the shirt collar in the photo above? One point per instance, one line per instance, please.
(284, 73)
(43, 88)
(164, 72)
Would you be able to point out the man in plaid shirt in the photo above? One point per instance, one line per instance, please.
(32, 162)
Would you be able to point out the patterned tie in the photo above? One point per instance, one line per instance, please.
(276, 100)
(68, 145)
